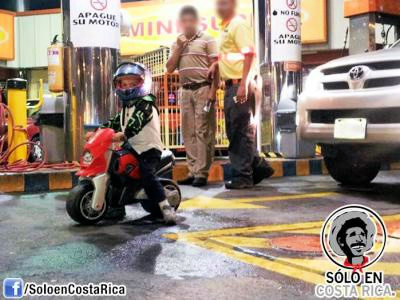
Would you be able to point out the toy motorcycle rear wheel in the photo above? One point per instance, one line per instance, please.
(79, 205)
(174, 197)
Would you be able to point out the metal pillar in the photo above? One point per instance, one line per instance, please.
(362, 33)
(88, 85)
(363, 30)
(282, 79)
(264, 134)
(257, 35)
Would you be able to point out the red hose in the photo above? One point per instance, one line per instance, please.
(24, 165)
(3, 124)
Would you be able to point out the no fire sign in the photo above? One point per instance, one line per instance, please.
(285, 31)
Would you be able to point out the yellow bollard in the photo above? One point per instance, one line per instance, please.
(16, 98)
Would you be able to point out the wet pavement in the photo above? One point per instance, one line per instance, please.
(257, 244)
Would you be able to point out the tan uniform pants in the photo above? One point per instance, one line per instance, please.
(198, 129)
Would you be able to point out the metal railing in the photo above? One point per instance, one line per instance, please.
(166, 89)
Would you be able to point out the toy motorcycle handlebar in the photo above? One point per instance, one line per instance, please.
(100, 136)
(91, 134)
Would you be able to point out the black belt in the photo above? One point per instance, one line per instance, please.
(195, 85)
(231, 82)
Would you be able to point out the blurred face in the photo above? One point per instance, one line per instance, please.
(226, 8)
(129, 82)
(189, 24)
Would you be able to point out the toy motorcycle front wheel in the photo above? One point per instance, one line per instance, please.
(79, 205)
(173, 194)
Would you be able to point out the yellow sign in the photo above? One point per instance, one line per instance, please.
(6, 35)
(313, 19)
(155, 23)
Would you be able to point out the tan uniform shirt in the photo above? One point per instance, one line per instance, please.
(236, 39)
(195, 58)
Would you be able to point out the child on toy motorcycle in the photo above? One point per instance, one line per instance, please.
(138, 122)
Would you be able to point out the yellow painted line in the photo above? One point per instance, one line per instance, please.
(250, 230)
(239, 241)
(270, 265)
(309, 270)
(392, 246)
(316, 231)
(287, 197)
(389, 268)
(317, 264)
(266, 228)
(202, 202)
(394, 242)
(391, 218)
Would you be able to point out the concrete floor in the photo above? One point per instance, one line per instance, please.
(40, 243)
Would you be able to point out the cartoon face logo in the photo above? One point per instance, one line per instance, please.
(352, 232)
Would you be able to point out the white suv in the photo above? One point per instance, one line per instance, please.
(351, 107)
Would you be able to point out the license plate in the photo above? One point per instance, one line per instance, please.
(350, 129)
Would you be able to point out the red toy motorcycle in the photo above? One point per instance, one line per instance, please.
(110, 177)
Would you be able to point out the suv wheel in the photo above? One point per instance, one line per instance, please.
(351, 169)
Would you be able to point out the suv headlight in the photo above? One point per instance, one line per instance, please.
(87, 157)
(313, 81)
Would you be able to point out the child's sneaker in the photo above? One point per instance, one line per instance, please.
(168, 213)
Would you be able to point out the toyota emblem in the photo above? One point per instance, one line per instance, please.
(356, 73)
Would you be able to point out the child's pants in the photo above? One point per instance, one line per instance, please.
(148, 162)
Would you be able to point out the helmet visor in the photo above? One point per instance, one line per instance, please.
(126, 82)
(130, 69)
(132, 80)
